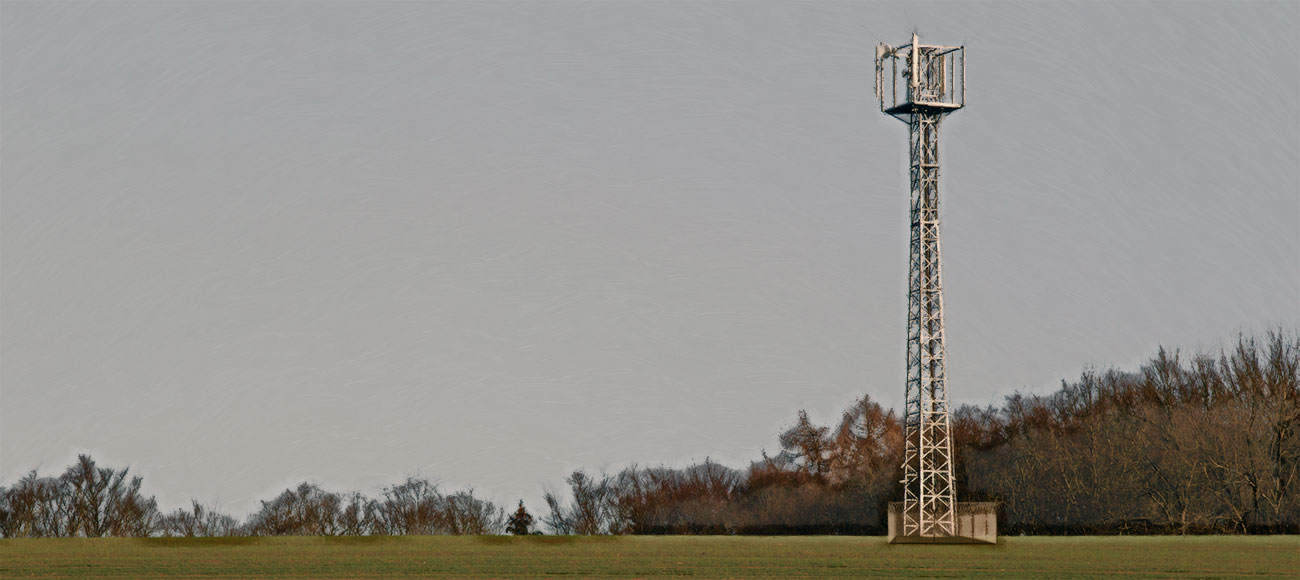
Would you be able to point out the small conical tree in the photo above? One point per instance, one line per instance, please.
(520, 522)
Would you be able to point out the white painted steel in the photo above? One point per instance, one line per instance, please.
(929, 503)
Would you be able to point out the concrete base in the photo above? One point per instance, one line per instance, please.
(977, 523)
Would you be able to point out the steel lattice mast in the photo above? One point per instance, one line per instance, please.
(933, 87)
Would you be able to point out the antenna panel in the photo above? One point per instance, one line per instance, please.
(920, 77)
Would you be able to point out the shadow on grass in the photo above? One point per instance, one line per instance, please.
(365, 540)
(544, 540)
(232, 541)
(199, 542)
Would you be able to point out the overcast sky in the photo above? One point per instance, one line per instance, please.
(247, 244)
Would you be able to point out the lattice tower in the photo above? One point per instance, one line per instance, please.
(934, 85)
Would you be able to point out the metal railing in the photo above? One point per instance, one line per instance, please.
(939, 73)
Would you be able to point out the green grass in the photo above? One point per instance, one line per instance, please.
(651, 557)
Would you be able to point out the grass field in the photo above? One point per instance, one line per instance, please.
(650, 557)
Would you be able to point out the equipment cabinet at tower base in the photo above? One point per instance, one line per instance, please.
(977, 523)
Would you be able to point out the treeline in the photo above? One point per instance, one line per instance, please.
(822, 482)
(1199, 445)
(1205, 444)
(92, 501)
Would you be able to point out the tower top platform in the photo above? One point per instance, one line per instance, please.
(920, 78)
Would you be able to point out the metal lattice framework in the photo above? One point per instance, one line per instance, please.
(933, 88)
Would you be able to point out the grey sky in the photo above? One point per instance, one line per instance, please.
(245, 244)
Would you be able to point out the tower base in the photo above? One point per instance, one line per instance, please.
(977, 523)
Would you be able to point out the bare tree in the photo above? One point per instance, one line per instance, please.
(105, 502)
(469, 515)
(412, 507)
(305, 511)
(417, 507)
(36, 507)
(198, 522)
(592, 511)
(866, 447)
(810, 444)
